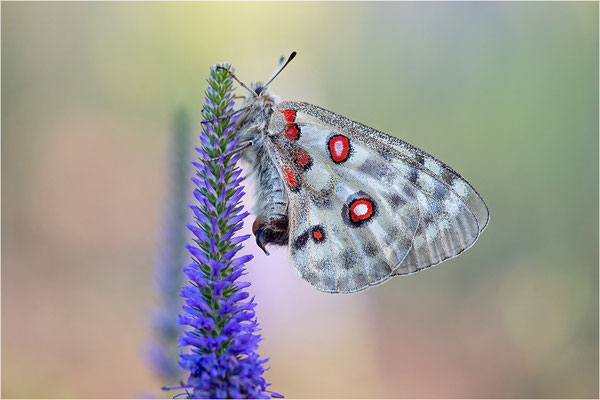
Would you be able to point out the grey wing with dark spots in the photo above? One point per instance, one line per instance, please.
(386, 207)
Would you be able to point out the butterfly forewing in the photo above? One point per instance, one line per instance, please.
(364, 206)
(402, 151)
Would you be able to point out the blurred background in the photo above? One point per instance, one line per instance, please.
(506, 93)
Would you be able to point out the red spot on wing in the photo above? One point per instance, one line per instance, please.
(361, 209)
(288, 115)
(339, 148)
(317, 233)
(302, 158)
(290, 176)
(292, 132)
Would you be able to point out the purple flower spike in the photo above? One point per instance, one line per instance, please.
(223, 362)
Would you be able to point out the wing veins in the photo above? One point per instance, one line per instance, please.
(411, 163)
(414, 165)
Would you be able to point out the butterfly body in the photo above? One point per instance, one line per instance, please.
(354, 205)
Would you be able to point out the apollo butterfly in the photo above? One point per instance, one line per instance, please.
(354, 205)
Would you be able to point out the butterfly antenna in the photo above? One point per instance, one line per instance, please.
(238, 81)
(290, 58)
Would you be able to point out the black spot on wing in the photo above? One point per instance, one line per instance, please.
(328, 190)
(326, 203)
(385, 156)
(392, 235)
(360, 278)
(300, 241)
(396, 200)
(315, 200)
(420, 159)
(370, 249)
(377, 169)
(441, 191)
(323, 265)
(409, 192)
(349, 258)
(413, 176)
(427, 219)
(311, 277)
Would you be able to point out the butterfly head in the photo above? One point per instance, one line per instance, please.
(261, 95)
(258, 106)
(258, 87)
(257, 110)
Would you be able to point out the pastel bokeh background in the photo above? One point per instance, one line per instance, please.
(506, 93)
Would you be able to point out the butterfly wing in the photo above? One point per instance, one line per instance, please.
(365, 206)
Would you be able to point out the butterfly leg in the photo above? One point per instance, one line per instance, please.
(240, 110)
(238, 149)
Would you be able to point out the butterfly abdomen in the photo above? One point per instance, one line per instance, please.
(271, 207)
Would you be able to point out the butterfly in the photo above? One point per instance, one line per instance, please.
(354, 205)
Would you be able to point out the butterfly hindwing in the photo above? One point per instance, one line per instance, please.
(338, 253)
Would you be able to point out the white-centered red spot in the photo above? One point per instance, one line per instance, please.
(361, 209)
(339, 148)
